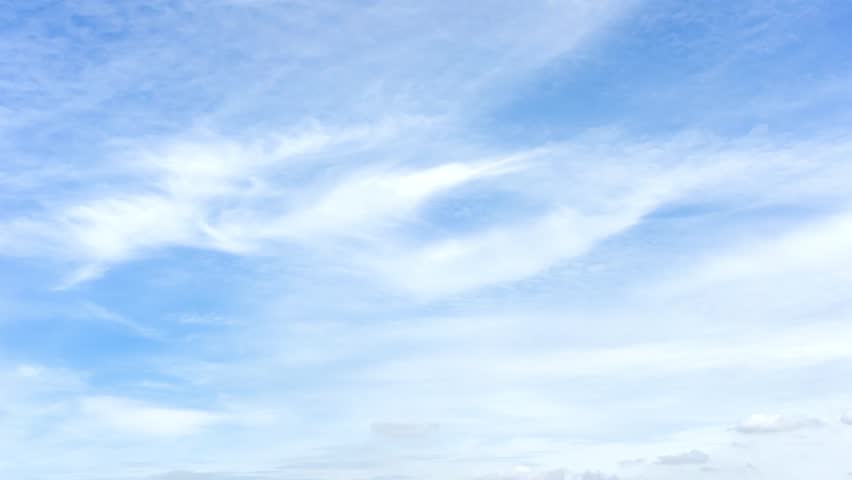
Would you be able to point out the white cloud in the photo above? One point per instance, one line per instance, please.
(501, 255)
(137, 418)
(790, 348)
(404, 430)
(595, 476)
(601, 203)
(369, 199)
(524, 472)
(247, 197)
(793, 274)
(97, 312)
(607, 199)
(186, 475)
(847, 418)
(765, 423)
(822, 247)
(211, 193)
(24, 382)
(354, 196)
(692, 457)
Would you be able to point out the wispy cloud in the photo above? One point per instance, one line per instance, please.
(99, 313)
(137, 418)
(692, 457)
(270, 239)
(765, 423)
(791, 348)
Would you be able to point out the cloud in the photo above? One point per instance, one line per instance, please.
(27, 382)
(765, 423)
(403, 431)
(777, 351)
(595, 476)
(601, 204)
(364, 200)
(604, 202)
(98, 312)
(692, 457)
(523, 472)
(211, 194)
(137, 418)
(847, 418)
(187, 475)
(818, 246)
(250, 197)
(401, 222)
(499, 256)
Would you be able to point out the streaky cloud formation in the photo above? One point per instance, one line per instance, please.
(279, 239)
(764, 423)
(135, 418)
(692, 457)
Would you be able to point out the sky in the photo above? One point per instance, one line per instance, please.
(425, 240)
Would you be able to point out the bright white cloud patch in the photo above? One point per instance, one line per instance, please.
(764, 423)
(138, 418)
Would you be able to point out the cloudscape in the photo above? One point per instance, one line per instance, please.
(425, 240)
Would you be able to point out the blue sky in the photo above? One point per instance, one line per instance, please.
(543, 240)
